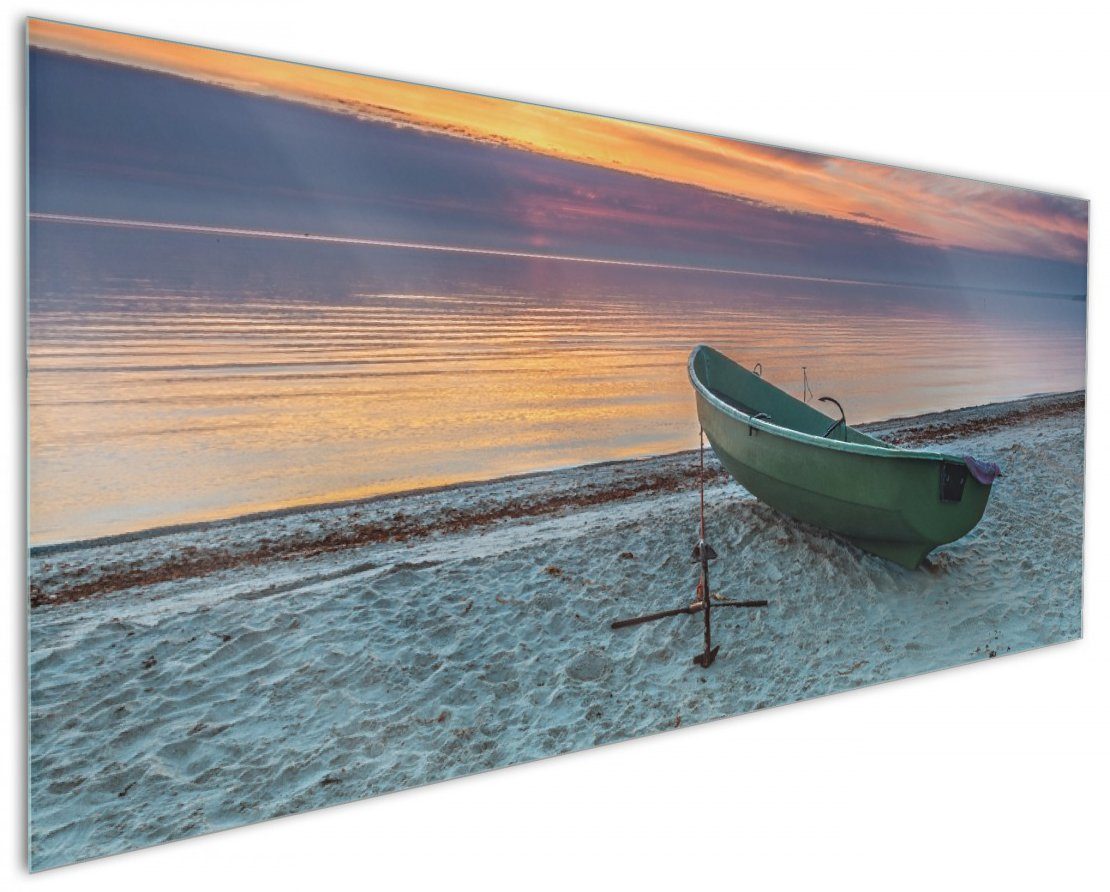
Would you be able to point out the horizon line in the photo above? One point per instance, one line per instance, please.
(359, 241)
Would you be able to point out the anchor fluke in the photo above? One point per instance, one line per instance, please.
(706, 659)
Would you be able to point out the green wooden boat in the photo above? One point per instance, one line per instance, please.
(897, 503)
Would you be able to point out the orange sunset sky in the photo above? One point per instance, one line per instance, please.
(945, 211)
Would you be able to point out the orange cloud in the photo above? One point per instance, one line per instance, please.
(928, 207)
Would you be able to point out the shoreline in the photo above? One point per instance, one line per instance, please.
(908, 430)
(348, 536)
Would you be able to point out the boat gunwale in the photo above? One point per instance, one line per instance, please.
(790, 433)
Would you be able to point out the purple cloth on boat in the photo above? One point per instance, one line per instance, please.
(983, 471)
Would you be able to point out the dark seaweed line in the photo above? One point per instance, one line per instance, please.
(941, 432)
(399, 528)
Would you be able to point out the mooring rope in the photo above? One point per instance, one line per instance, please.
(701, 513)
(701, 477)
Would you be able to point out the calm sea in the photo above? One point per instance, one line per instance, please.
(177, 377)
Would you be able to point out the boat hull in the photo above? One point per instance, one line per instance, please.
(889, 502)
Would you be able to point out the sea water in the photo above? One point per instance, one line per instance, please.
(177, 377)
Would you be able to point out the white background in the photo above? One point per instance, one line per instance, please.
(991, 776)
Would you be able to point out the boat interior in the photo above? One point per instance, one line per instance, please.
(754, 396)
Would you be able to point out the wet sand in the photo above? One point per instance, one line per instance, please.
(194, 679)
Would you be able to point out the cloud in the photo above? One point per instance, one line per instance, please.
(913, 206)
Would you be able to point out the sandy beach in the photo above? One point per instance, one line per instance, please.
(199, 678)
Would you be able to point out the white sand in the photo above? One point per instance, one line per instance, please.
(204, 678)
